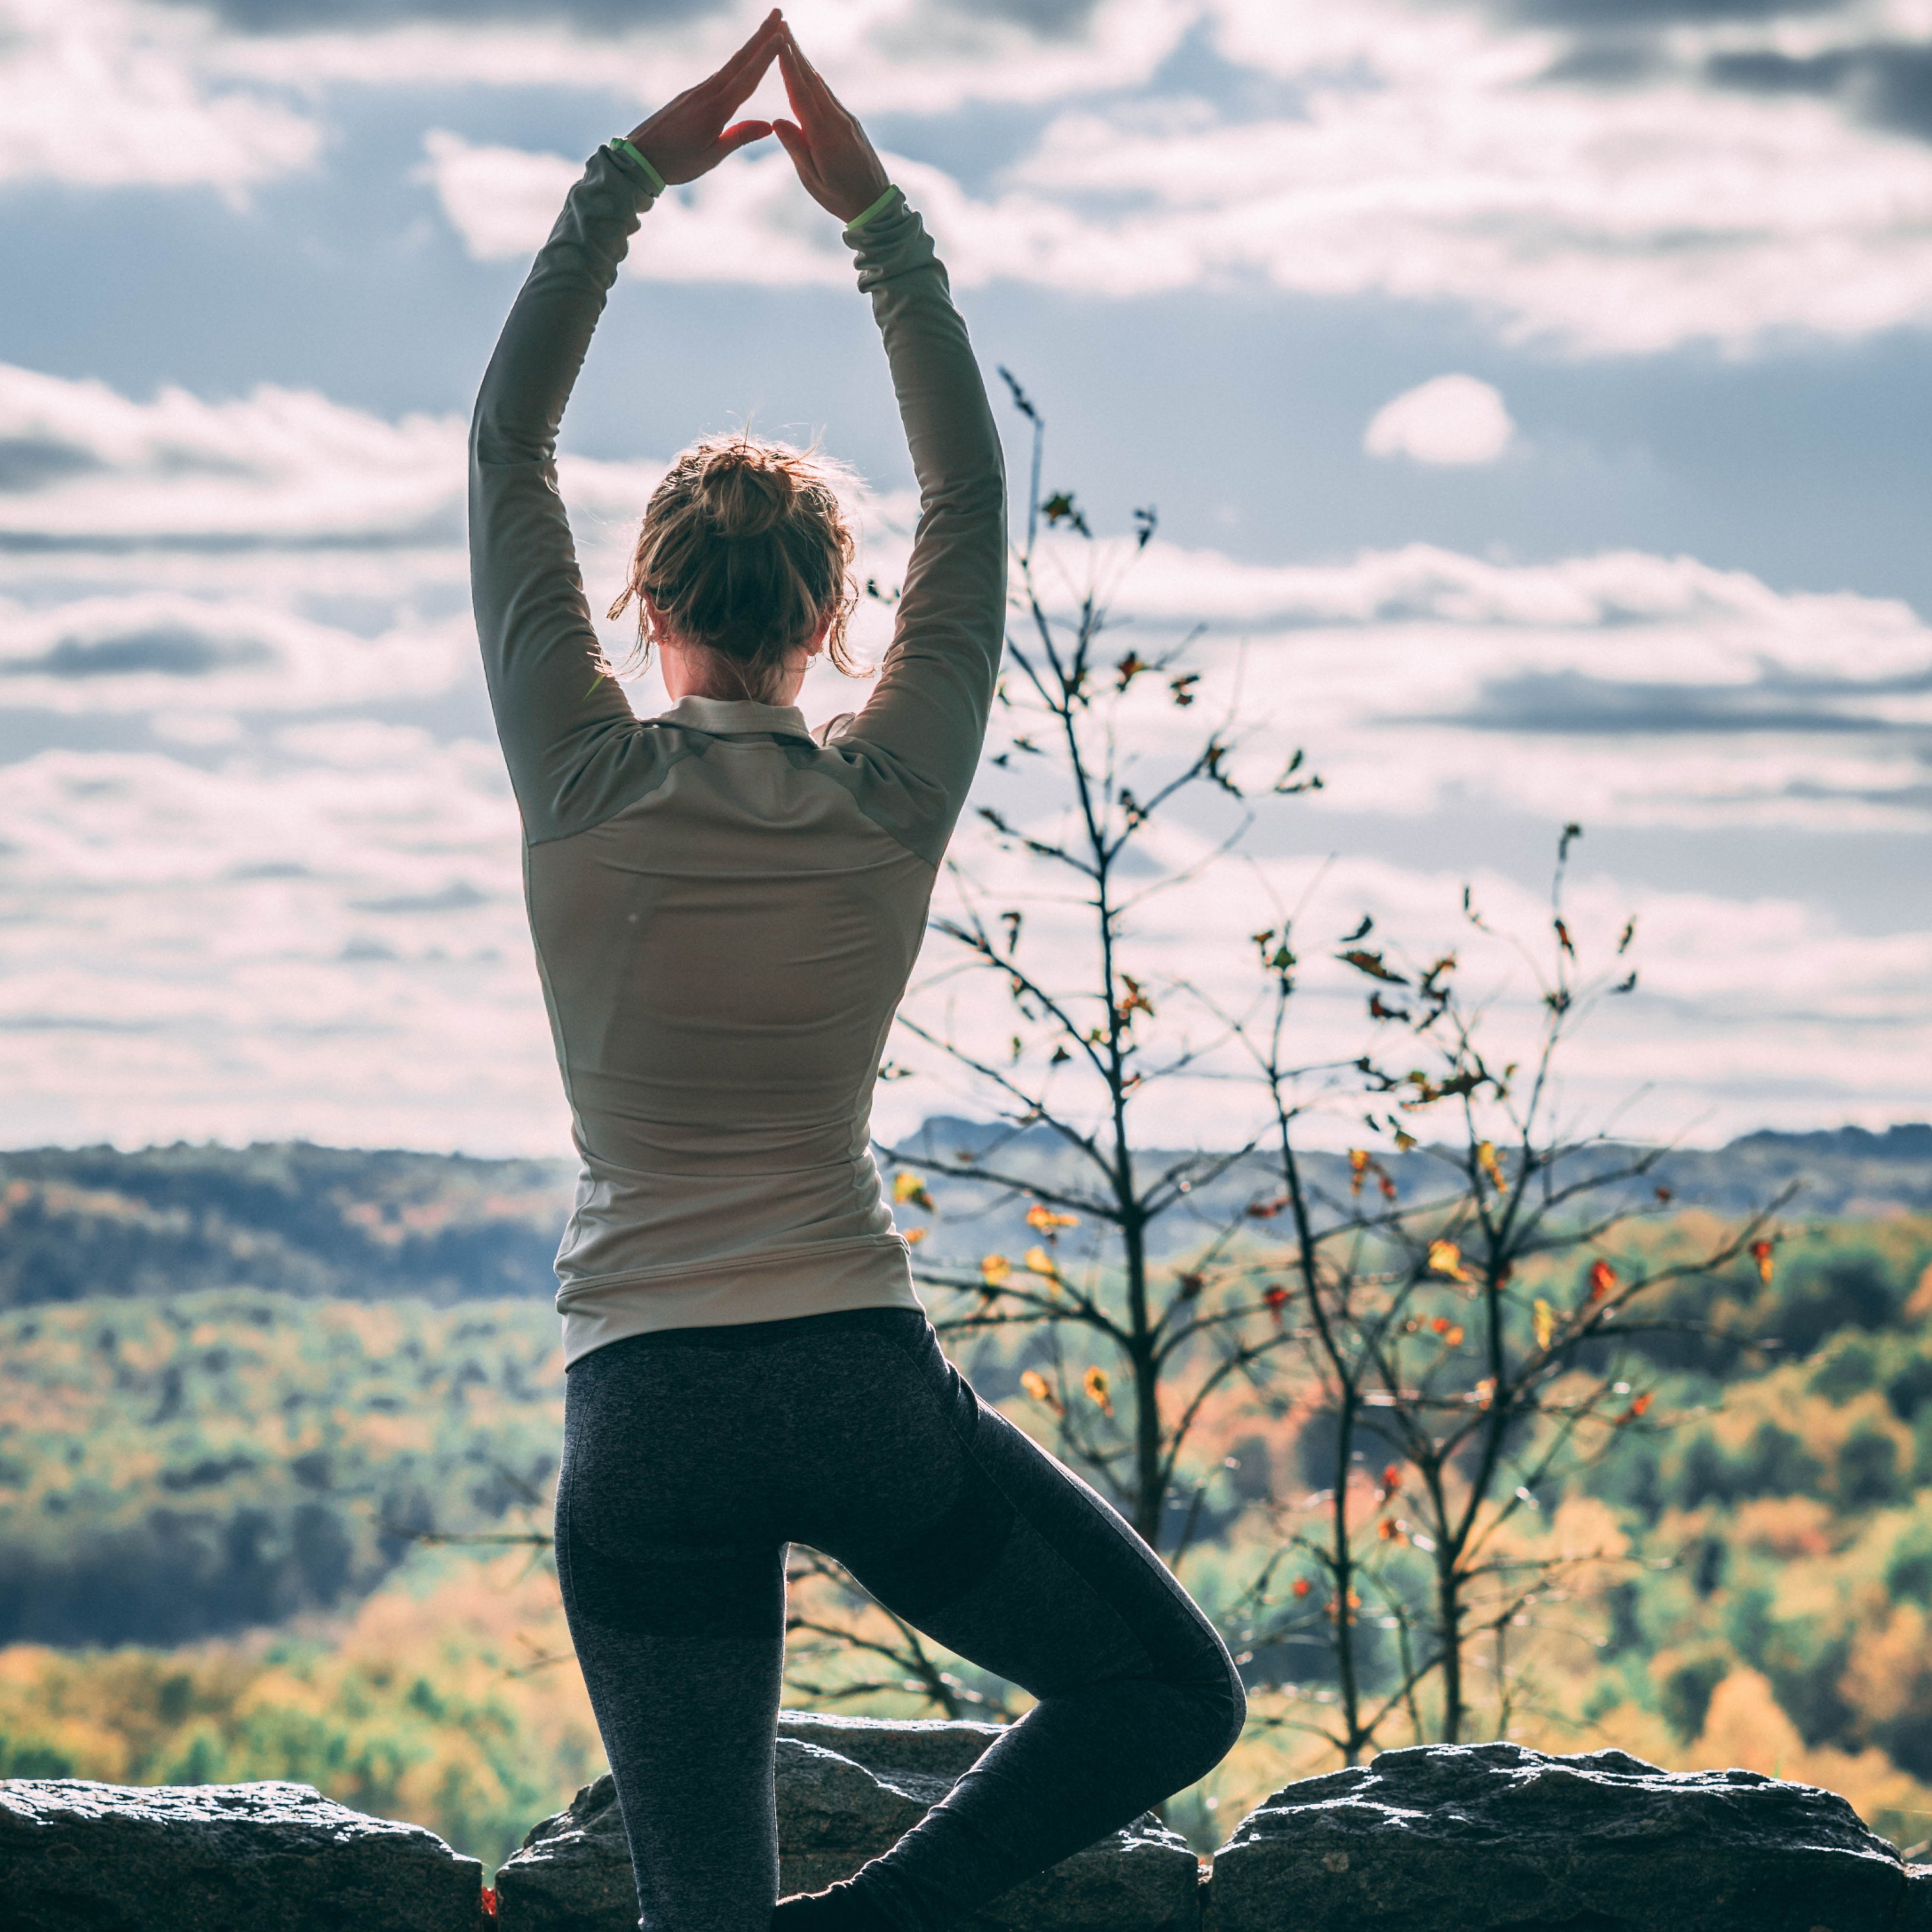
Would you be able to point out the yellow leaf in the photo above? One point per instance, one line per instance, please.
(909, 1187)
(1545, 1323)
(1446, 1258)
(1486, 1159)
(1045, 1220)
(994, 1269)
(1094, 1382)
(1039, 1261)
(1358, 1166)
(1453, 1336)
(1035, 1385)
(912, 1236)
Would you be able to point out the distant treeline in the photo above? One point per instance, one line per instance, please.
(349, 1224)
(179, 1466)
(323, 1222)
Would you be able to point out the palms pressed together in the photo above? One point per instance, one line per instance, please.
(690, 135)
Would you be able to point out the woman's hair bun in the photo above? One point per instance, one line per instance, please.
(745, 552)
(743, 491)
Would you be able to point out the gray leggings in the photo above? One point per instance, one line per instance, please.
(692, 1457)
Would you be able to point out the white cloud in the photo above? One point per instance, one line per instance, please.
(1401, 148)
(288, 903)
(898, 56)
(87, 467)
(1747, 1013)
(1622, 689)
(110, 94)
(1607, 224)
(1449, 420)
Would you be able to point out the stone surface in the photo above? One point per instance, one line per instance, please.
(847, 1788)
(1477, 1838)
(1917, 1914)
(80, 1857)
(573, 1872)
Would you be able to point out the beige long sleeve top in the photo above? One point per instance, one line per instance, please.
(726, 909)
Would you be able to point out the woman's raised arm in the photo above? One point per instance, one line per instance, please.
(561, 722)
(926, 723)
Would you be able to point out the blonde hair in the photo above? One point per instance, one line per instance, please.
(744, 552)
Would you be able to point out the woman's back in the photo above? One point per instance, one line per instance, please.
(722, 959)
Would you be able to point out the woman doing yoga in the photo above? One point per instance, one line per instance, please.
(725, 909)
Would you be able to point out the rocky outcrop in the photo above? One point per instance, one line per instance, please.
(79, 1857)
(847, 1788)
(1441, 1838)
(1477, 1838)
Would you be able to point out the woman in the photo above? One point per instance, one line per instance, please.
(726, 909)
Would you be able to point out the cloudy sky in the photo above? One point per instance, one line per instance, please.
(1536, 395)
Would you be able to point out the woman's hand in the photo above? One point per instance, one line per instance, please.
(827, 146)
(687, 137)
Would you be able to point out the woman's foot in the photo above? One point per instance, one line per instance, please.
(843, 1908)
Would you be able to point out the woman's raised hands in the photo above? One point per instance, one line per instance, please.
(827, 146)
(687, 137)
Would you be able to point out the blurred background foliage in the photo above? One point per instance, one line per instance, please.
(215, 1505)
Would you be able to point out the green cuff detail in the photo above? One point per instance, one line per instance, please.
(619, 144)
(859, 221)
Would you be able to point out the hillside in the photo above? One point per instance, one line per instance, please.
(331, 1223)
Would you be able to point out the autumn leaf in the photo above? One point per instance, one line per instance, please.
(1265, 1211)
(1181, 689)
(1301, 1586)
(1190, 1286)
(1760, 1252)
(1060, 508)
(1629, 933)
(994, 1270)
(912, 1236)
(1362, 932)
(1094, 1382)
(1452, 1336)
(1391, 1481)
(1603, 1279)
(1486, 1160)
(1379, 1010)
(1642, 1403)
(1370, 963)
(1036, 1385)
(1485, 1392)
(1388, 1529)
(1563, 938)
(1358, 1167)
(1446, 1258)
(1039, 1262)
(1129, 668)
(1545, 1317)
(1277, 1298)
(1135, 1001)
(1044, 1220)
(910, 1189)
